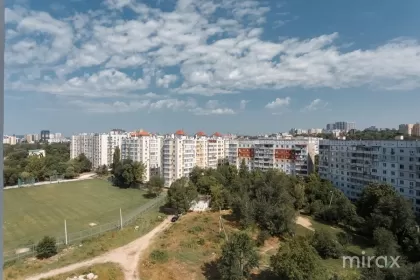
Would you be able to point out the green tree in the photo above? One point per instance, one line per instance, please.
(155, 185)
(36, 167)
(84, 163)
(46, 248)
(326, 245)
(239, 257)
(129, 174)
(370, 197)
(181, 195)
(204, 183)
(298, 260)
(385, 243)
(102, 170)
(70, 173)
(116, 159)
(243, 170)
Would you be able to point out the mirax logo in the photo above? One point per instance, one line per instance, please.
(371, 261)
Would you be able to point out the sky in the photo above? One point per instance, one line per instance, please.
(232, 66)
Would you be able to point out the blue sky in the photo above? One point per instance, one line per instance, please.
(224, 65)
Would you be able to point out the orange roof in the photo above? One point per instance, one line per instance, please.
(180, 132)
(140, 133)
(217, 134)
(200, 133)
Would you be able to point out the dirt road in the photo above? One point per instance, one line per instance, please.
(127, 256)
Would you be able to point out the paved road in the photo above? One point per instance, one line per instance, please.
(127, 256)
(84, 176)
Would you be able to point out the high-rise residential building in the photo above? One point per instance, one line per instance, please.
(342, 126)
(416, 130)
(406, 129)
(45, 135)
(93, 145)
(136, 148)
(179, 156)
(313, 131)
(351, 165)
(294, 156)
(115, 139)
(11, 140)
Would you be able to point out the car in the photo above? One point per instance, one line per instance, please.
(174, 219)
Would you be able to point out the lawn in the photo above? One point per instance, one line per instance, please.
(31, 213)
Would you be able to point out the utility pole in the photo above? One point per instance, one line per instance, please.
(65, 231)
(332, 194)
(121, 221)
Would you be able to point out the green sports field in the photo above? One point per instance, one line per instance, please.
(31, 213)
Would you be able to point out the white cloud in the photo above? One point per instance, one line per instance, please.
(315, 105)
(278, 103)
(214, 55)
(242, 104)
(213, 107)
(166, 81)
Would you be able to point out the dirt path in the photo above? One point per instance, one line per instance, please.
(127, 256)
(305, 222)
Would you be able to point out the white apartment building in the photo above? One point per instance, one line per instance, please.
(179, 156)
(145, 148)
(115, 139)
(351, 165)
(11, 140)
(93, 145)
(290, 156)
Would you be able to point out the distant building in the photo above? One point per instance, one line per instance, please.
(38, 153)
(416, 130)
(11, 140)
(406, 129)
(342, 126)
(45, 135)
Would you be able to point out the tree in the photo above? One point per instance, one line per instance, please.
(238, 258)
(70, 173)
(102, 170)
(46, 248)
(116, 158)
(204, 183)
(36, 167)
(385, 243)
(326, 245)
(155, 185)
(243, 170)
(298, 260)
(129, 174)
(84, 163)
(370, 197)
(181, 195)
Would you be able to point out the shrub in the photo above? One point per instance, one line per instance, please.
(159, 256)
(46, 248)
(325, 244)
(262, 237)
(344, 238)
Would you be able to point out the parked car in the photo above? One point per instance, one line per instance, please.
(174, 218)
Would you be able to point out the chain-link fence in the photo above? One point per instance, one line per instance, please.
(74, 237)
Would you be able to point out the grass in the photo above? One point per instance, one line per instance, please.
(106, 271)
(89, 248)
(189, 244)
(31, 213)
(189, 248)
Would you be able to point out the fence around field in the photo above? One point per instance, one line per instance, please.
(28, 250)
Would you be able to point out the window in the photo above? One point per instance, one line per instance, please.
(384, 164)
(384, 172)
(401, 174)
(393, 165)
(393, 173)
(411, 159)
(411, 176)
(401, 166)
(401, 151)
(401, 158)
(401, 190)
(401, 182)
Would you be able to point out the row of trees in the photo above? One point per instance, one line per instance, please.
(272, 200)
(17, 163)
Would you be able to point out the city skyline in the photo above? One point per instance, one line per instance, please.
(225, 65)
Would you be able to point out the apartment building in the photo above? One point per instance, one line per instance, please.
(93, 145)
(201, 147)
(179, 156)
(115, 139)
(11, 140)
(291, 156)
(351, 165)
(406, 129)
(416, 129)
(136, 148)
(341, 126)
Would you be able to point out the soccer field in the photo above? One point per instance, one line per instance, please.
(31, 213)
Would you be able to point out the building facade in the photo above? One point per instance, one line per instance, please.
(351, 165)
(45, 135)
(290, 156)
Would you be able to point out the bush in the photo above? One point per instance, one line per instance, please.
(46, 248)
(262, 237)
(325, 244)
(344, 238)
(159, 256)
